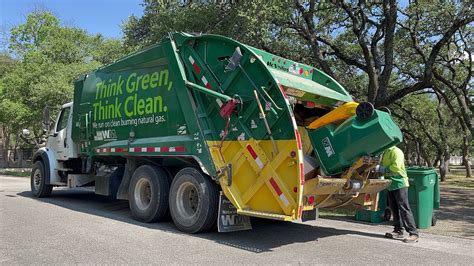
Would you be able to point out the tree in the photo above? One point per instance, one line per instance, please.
(380, 51)
(49, 57)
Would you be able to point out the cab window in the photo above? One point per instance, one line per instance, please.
(63, 117)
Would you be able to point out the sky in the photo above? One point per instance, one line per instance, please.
(95, 16)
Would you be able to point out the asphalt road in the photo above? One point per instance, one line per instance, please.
(77, 226)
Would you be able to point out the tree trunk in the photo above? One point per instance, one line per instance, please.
(465, 157)
(6, 144)
(437, 161)
(406, 150)
(444, 166)
(425, 156)
(418, 154)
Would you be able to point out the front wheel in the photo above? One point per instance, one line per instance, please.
(39, 188)
(194, 201)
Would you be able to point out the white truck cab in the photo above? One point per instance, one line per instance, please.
(60, 141)
(51, 162)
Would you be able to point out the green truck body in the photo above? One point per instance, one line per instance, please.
(218, 113)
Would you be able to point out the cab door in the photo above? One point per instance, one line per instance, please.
(60, 140)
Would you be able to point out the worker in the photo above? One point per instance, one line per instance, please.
(393, 167)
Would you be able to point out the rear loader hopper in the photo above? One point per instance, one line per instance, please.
(278, 138)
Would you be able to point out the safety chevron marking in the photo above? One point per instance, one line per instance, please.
(279, 192)
(254, 156)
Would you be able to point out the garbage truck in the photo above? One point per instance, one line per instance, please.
(194, 119)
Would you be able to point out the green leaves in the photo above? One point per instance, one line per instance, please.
(49, 57)
(381, 51)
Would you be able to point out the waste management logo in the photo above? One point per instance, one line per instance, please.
(328, 147)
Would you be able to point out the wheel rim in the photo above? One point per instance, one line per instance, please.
(188, 200)
(142, 194)
(37, 179)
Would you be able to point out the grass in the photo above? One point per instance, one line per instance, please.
(19, 172)
(337, 212)
(458, 181)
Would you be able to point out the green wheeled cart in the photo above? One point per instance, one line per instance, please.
(423, 195)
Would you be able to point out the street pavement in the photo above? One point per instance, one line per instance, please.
(77, 226)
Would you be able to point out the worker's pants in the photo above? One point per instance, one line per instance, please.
(402, 215)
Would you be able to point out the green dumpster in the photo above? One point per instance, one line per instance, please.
(436, 195)
(422, 194)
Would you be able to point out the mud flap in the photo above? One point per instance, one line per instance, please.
(228, 220)
(310, 215)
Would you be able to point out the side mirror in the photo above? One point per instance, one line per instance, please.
(234, 61)
(46, 119)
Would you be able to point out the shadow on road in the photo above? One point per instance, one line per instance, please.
(265, 236)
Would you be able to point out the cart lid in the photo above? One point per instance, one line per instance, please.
(304, 86)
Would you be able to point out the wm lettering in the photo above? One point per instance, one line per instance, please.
(232, 220)
(107, 134)
(328, 147)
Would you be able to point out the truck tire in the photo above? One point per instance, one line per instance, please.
(387, 214)
(39, 188)
(148, 194)
(194, 201)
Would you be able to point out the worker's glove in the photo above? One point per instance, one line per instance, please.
(380, 169)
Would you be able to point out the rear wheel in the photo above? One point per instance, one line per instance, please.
(39, 188)
(387, 214)
(148, 194)
(434, 220)
(194, 201)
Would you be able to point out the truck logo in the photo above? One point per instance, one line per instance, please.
(105, 135)
(229, 220)
(328, 147)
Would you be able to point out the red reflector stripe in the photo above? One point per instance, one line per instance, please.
(298, 139)
(179, 149)
(282, 91)
(367, 197)
(196, 68)
(206, 83)
(310, 104)
(275, 186)
(143, 149)
(302, 173)
(252, 152)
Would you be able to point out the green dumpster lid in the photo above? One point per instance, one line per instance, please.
(302, 81)
(307, 86)
(420, 170)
